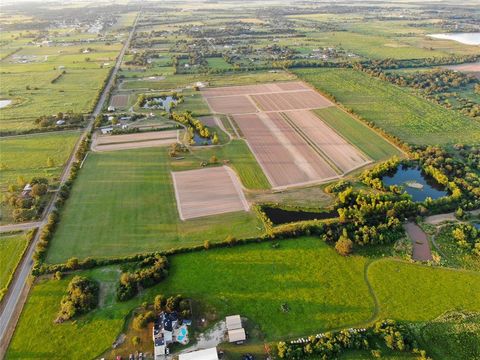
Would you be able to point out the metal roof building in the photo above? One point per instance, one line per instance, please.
(207, 354)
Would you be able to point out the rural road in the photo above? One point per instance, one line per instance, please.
(15, 298)
(20, 227)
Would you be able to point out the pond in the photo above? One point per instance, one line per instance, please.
(416, 183)
(464, 38)
(477, 225)
(161, 103)
(5, 103)
(280, 216)
(199, 140)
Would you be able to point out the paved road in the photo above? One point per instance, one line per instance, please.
(15, 297)
(20, 227)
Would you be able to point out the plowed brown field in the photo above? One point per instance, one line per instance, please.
(207, 192)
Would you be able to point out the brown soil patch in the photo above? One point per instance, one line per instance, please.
(335, 147)
(238, 104)
(283, 155)
(119, 101)
(135, 141)
(291, 100)
(206, 192)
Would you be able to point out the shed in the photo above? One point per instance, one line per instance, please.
(233, 322)
(237, 336)
(207, 354)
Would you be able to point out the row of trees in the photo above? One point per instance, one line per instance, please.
(330, 345)
(467, 237)
(151, 271)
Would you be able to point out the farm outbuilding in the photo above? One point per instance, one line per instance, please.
(233, 322)
(237, 336)
(207, 354)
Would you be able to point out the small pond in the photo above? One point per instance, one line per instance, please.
(415, 183)
(160, 103)
(281, 216)
(464, 38)
(477, 225)
(199, 140)
(5, 103)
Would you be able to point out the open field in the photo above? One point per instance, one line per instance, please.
(27, 156)
(358, 134)
(123, 203)
(255, 280)
(284, 156)
(335, 147)
(135, 140)
(412, 119)
(207, 192)
(119, 101)
(290, 101)
(60, 79)
(12, 247)
(295, 147)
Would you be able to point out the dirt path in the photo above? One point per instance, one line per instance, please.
(437, 219)
(421, 247)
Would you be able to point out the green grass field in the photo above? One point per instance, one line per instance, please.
(418, 293)
(30, 84)
(396, 110)
(454, 335)
(11, 251)
(322, 290)
(27, 156)
(366, 139)
(123, 203)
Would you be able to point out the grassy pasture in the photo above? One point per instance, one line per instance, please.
(414, 293)
(367, 140)
(11, 251)
(27, 155)
(396, 110)
(123, 203)
(32, 87)
(322, 290)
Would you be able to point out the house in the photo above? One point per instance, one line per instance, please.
(111, 108)
(167, 330)
(26, 190)
(60, 122)
(207, 354)
(236, 332)
(106, 130)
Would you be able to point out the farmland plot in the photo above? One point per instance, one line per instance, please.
(208, 191)
(292, 145)
(135, 141)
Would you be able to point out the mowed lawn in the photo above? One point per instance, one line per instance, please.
(321, 289)
(11, 250)
(394, 109)
(123, 203)
(27, 156)
(364, 138)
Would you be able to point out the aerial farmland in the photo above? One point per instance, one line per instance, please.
(240, 180)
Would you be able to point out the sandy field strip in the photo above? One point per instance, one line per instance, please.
(143, 136)
(335, 147)
(134, 141)
(238, 104)
(291, 100)
(470, 67)
(283, 155)
(134, 145)
(253, 89)
(119, 100)
(208, 191)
